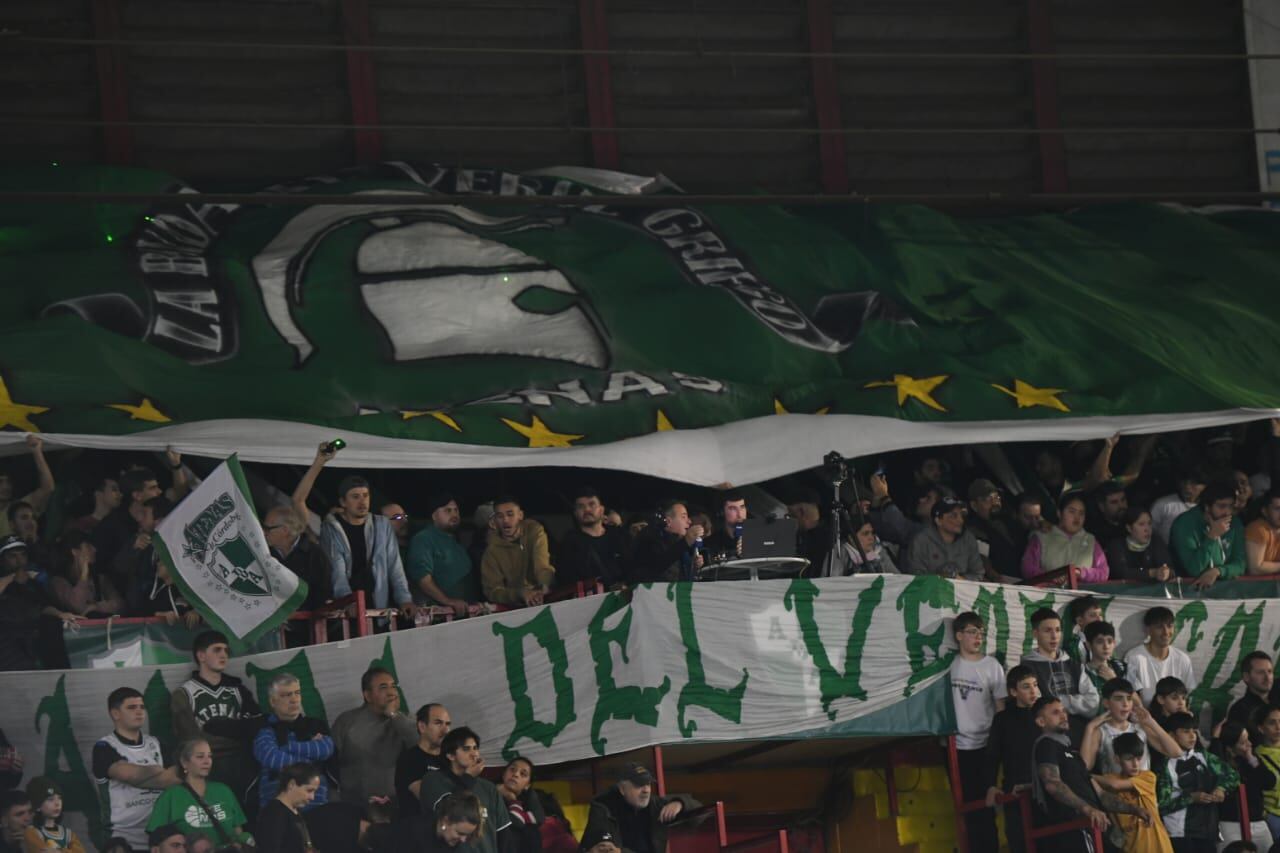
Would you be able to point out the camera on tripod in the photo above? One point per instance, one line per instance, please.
(835, 468)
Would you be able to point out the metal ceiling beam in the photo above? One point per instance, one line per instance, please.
(594, 29)
(826, 98)
(362, 83)
(113, 94)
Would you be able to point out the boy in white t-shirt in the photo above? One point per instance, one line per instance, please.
(978, 691)
(1157, 658)
(1122, 714)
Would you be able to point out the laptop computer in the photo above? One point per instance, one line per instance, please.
(768, 537)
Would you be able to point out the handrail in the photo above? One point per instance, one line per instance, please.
(1030, 831)
(779, 836)
(1067, 577)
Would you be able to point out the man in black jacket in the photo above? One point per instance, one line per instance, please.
(592, 549)
(666, 549)
(635, 818)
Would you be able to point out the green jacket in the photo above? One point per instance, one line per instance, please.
(1194, 553)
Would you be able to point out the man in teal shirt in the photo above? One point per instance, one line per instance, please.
(439, 568)
(1208, 541)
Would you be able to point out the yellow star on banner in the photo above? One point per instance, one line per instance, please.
(15, 414)
(440, 416)
(1029, 395)
(779, 409)
(920, 389)
(144, 411)
(540, 436)
(664, 423)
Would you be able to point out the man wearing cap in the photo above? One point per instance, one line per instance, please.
(997, 543)
(592, 550)
(167, 839)
(632, 815)
(15, 819)
(439, 567)
(30, 624)
(946, 548)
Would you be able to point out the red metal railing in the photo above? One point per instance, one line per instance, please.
(1030, 831)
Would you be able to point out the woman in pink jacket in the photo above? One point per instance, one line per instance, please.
(1067, 544)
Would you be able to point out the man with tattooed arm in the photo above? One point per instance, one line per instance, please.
(1062, 787)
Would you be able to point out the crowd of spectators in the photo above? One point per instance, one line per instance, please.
(1192, 508)
(1112, 742)
(275, 779)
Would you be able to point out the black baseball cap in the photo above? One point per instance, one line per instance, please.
(944, 505)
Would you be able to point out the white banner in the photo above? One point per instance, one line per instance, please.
(218, 556)
(681, 663)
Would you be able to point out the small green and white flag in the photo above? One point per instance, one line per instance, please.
(218, 556)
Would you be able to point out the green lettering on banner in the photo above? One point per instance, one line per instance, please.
(990, 605)
(1029, 606)
(614, 702)
(1195, 613)
(936, 592)
(388, 662)
(159, 716)
(79, 794)
(1238, 634)
(696, 693)
(298, 666)
(833, 685)
(543, 629)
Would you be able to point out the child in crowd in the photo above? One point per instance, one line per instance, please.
(1137, 785)
(1082, 612)
(46, 831)
(1157, 658)
(1191, 787)
(1056, 673)
(1234, 746)
(1267, 748)
(978, 690)
(1013, 734)
(1171, 698)
(1099, 666)
(1097, 747)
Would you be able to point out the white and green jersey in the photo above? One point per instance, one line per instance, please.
(126, 808)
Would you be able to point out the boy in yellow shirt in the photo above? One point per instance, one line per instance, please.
(1145, 834)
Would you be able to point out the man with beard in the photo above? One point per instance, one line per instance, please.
(516, 569)
(1105, 519)
(1208, 542)
(635, 818)
(592, 549)
(997, 544)
(439, 567)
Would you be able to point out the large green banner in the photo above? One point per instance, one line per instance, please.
(708, 344)
(864, 655)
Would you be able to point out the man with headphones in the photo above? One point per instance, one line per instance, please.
(665, 549)
(728, 539)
